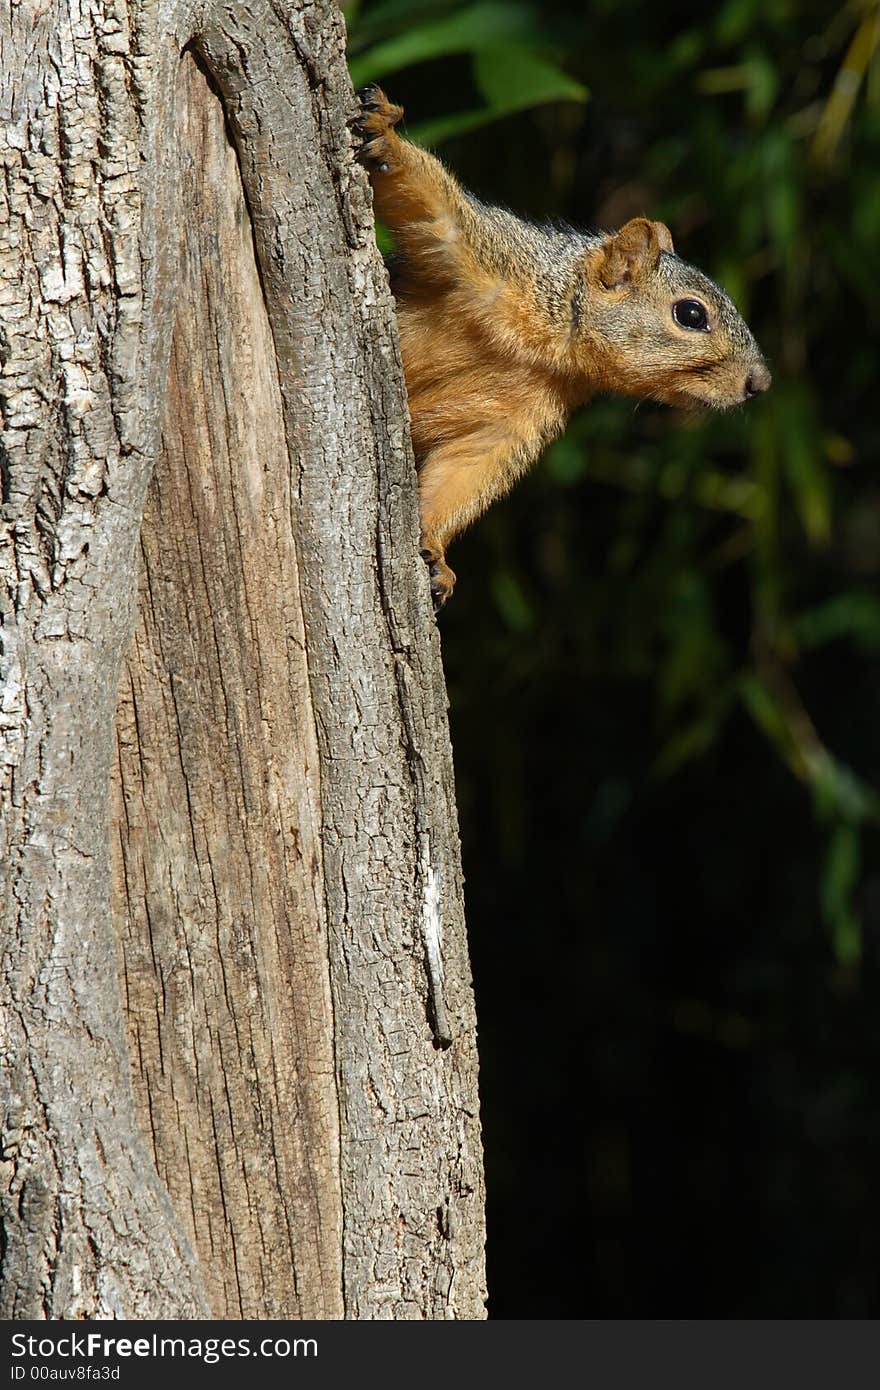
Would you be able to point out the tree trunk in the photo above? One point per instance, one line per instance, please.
(241, 1075)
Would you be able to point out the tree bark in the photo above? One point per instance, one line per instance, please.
(241, 1072)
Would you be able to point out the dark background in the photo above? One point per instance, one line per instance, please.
(663, 659)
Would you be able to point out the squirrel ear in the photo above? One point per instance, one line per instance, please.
(632, 252)
(664, 236)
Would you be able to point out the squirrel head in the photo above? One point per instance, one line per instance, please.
(658, 328)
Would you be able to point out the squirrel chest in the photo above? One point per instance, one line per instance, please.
(463, 390)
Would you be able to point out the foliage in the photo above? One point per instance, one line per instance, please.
(506, 43)
(678, 619)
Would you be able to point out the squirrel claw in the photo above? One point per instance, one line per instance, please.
(374, 126)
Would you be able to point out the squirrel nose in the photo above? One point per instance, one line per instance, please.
(758, 380)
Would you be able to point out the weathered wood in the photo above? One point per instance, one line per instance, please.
(217, 856)
(88, 1229)
(285, 845)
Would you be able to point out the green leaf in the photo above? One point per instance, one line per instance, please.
(429, 133)
(839, 794)
(797, 440)
(688, 744)
(762, 86)
(513, 78)
(848, 939)
(722, 493)
(782, 190)
(389, 17)
(733, 19)
(770, 718)
(385, 239)
(696, 656)
(512, 603)
(809, 482)
(840, 880)
(855, 615)
(465, 31)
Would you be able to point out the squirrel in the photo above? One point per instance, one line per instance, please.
(506, 327)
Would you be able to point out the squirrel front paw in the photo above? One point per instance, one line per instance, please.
(374, 126)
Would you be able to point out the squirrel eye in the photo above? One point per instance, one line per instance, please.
(690, 313)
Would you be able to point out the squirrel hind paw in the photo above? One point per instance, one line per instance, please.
(374, 123)
(442, 582)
